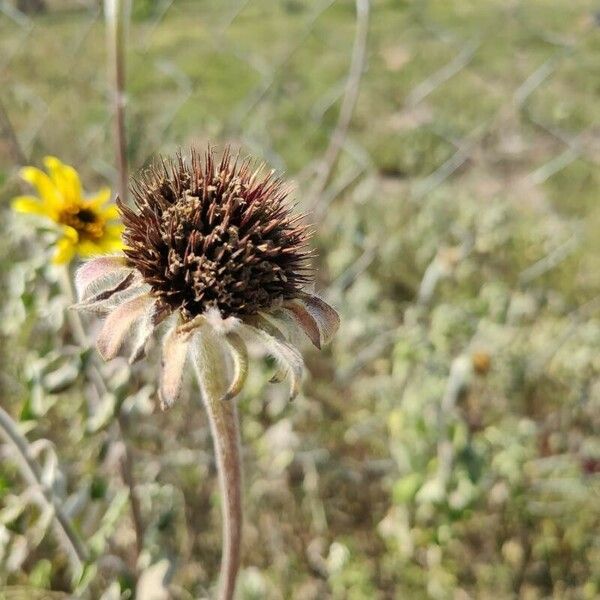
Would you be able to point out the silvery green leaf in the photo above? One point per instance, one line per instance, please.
(36, 532)
(139, 403)
(60, 379)
(18, 592)
(19, 549)
(153, 581)
(12, 509)
(113, 592)
(109, 522)
(101, 413)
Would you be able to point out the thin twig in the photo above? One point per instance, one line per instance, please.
(357, 65)
(117, 15)
(31, 472)
(8, 132)
(551, 260)
(129, 479)
(459, 62)
(255, 97)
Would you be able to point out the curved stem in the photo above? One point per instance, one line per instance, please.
(223, 419)
(31, 472)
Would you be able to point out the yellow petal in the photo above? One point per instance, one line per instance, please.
(31, 205)
(44, 186)
(65, 250)
(88, 248)
(70, 233)
(100, 198)
(111, 244)
(114, 230)
(66, 179)
(110, 213)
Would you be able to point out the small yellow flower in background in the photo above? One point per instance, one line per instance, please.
(89, 225)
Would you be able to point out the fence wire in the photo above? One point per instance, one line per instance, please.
(66, 38)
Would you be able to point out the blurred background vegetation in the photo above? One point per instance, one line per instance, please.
(446, 444)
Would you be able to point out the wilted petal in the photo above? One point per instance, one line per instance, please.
(174, 353)
(326, 318)
(146, 325)
(239, 356)
(99, 274)
(305, 321)
(263, 324)
(118, 324)
(287, 356)
(123, 291)
(123, 282)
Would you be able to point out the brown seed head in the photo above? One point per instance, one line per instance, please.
(215, 234)
(482, 362)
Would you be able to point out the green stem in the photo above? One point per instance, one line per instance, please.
(223, 419)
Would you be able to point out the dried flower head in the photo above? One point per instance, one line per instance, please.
(88, 225)
(215, 235)
(213, 247)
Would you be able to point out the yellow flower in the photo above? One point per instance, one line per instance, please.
(88, 225)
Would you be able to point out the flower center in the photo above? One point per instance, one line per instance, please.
(85, 215)
(208, 235)
(85, 221)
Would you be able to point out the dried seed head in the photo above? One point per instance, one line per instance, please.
(215, 234)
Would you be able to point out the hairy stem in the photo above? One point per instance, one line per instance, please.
(32, 474)
(223, 419)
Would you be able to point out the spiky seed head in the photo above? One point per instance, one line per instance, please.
(215, 234)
